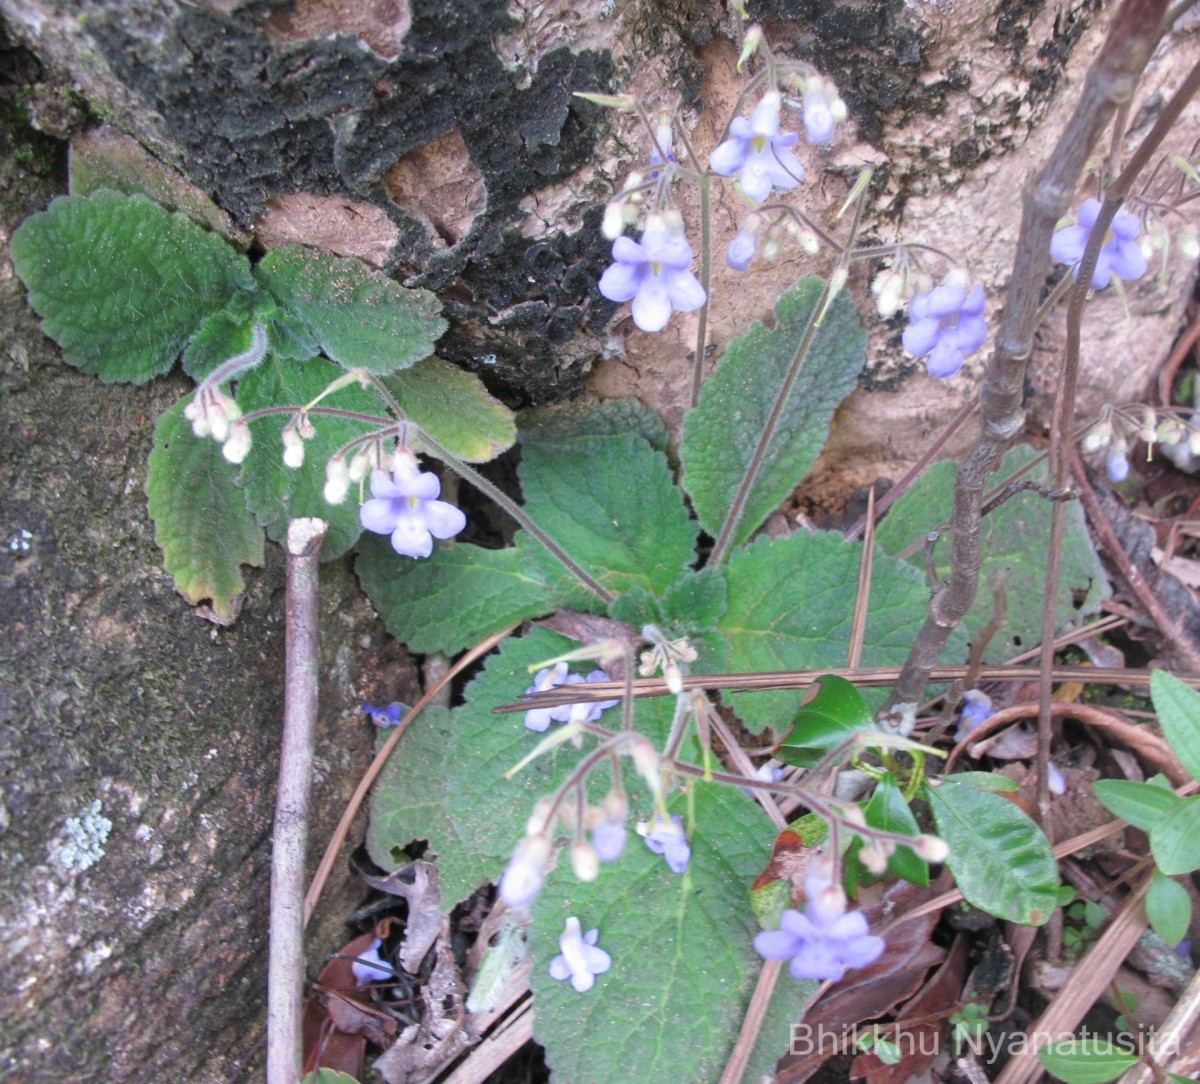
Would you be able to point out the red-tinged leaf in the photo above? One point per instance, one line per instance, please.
(919, 1041)
(869, 993)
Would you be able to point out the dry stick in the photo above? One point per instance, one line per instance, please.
(1132, 37)
(360, 792)
(1168, 625)
(1062, 447)
(1167, 1042)
(285, 965)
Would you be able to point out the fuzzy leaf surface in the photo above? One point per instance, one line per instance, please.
(360, 318)
(1002, 862)
(455, 597)
(1013, 543)
(121, 283)
(588, 417)
(683, 963)
(276, 493)
(1178, 708)
(791, 605)
(720, 434)
(610, 503)
(408, 802)
(200, 518)
(1173, 838)
(454, 408)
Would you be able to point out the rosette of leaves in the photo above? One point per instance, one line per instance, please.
(127, 289)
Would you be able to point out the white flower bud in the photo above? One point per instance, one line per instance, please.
(810, 242)
(360, 466)
(337, 480)
(1170, 431)
(306, 428)
(237, 447)
(874, 859)
(1194, 441)
(1097, 437)
(584, 861)
(931, 848)
(1189, 245)
(614, 221)
(293, 448)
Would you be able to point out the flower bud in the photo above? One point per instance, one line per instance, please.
(613, 224)
(337, 480)
(931, 848)
(360, 466)
(237, 446)
(1194, 441)
(198, 416)
(1117, 461)
(874, 859)
(810, 242)
(293, 448)
(1097, 437)
(741, 249)
(526, 871)
(1170, 431)
(584, 861)
(1189, 245)
(306, 428)
(1148, 430)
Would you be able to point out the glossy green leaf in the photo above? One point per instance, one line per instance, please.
(830, 718)
(1014, 543)
(683, 963)
(719, 435)
(889, 812)
(1173, 838)
(121, 284)
(1086, 1061)
(409, 803)
(611, 504)
(454, 408)
(1169, 908)
(1178, 708)
(276, 493)
(200, 519)
(360, 318)
(1001, 860)
(489, 811)
(455, 597)
(1141, 804)
(791, 605)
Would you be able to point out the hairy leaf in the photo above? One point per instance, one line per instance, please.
(1178, 708)
(593, 418)
(121, 284)
(720, 434)
(200, 519)
(1173, 838)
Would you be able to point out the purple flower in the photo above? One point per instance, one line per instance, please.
(824, 941)
(369, 966)
(1120, 257)
(539, 719)
(741, 249)
(608, 838)
(383, 717)
(1056, 782)
(822, 109)
(945, 325)
(1116, 462)
(665, 836)
(655, 273)
(758, 152)
(525, 873)
(581, 961)
(976, 708)
(406, 507)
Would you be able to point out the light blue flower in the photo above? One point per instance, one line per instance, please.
(1119, 257)
(608, 838)
(406, 507)
(757, 152)
(741, 249)
(581, 961)
(822, 109)
(384, 717)
(654, 273)
(370, 967)
(945, 326)
(539, 719)
(976, 709)
(665, 836)
(525, 873)
(826, 940)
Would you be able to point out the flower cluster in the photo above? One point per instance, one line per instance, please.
(945, 325)
(215, 414)
(581, 961)
(654, 273)
(1120, 256)
(825, 940)
(552, 677)
(406, 507)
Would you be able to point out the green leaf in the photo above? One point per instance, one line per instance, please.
(121, 284)
(328, 1076)
(1173, 838)
(1178, 708)
(1013, 541)
(200, 519)
(1169, 908)
(454, 408)
(836, 713)
(609, 502)
(1001, 784)
(1141, 804)
(1086, 1061)
(276, 493)
(589, 417)
(683, 964)
(719, 435)
(360, 318)
(222, 336)
(888, 811)
(489, 811)
(408, 803)
(791, 605)
(1002, 862)
(454, 598)
(691, 607)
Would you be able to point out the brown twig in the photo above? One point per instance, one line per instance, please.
(285, 965)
